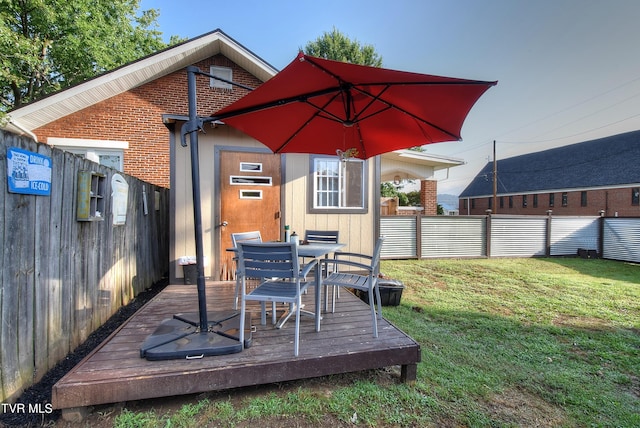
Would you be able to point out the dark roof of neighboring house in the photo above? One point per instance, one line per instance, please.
(609, 161)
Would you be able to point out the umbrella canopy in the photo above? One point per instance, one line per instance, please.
(321, 106)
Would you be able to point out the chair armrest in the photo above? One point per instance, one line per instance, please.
(308, 268)
(337, 262)
(345, 254)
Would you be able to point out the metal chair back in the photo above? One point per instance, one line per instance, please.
(330, 236)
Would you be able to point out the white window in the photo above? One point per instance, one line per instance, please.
(223, 72)
(338, 186)
(104, 152)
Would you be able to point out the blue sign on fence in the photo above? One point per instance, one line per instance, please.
(28, 172)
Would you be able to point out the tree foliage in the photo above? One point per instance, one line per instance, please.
(336, 46)
(48, 45)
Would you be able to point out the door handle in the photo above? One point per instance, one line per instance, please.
(224, 224)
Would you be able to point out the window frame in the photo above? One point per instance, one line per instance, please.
(635, 196)
(312, 208)
(222, 72)
(92, 149)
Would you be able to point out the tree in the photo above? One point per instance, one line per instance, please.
(335, 45)
(48, 45)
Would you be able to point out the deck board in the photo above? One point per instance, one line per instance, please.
(114, 371)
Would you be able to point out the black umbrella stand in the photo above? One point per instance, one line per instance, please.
(199, 334)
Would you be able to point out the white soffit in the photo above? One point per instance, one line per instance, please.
(137, 73)
(422, 158)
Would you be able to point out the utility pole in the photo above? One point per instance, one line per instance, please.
(495, 179)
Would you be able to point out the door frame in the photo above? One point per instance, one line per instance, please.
(216, 200)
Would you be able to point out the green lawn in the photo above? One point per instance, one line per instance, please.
(505, 343)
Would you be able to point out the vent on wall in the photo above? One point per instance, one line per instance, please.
(224, 73)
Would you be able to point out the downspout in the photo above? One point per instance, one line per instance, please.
(23, 129)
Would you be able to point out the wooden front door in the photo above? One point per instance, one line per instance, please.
(249, 199)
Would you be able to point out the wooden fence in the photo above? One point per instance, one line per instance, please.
(62, 278)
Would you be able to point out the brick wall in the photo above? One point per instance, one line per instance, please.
(136, 117)
(612, 201)
(429, 196)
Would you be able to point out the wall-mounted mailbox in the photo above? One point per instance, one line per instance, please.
(119, 199)
(91, 201)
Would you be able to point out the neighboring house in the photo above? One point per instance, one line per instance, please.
(402, 165)
(598, 177)
(130, 119)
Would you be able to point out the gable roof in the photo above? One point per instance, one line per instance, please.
(134, 74)
(609, 161)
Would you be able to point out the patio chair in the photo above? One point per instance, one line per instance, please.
(323, 236)
(254, 237)
(365, 279)
(272, 260)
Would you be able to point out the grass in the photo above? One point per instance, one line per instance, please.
(505, 343)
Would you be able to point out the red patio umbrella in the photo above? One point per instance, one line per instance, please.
(312, 106)
(319, 106)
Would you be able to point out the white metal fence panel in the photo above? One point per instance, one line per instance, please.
(453, 236)
(518, 236)
(400, 237)
(510, 236)
(570, 233)
(621, 239)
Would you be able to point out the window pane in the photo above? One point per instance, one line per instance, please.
(353, 189)
(338, 184)
(111, 161)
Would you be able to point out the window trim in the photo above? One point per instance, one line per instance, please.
(311, 189)
(91, 149)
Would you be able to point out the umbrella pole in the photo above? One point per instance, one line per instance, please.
(197, 208)
(196, 335)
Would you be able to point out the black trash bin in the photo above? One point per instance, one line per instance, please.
(190, 274)
(390, 292)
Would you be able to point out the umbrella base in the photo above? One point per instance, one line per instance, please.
(181, 338)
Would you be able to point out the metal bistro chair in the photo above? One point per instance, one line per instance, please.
(367, 281)
(236, 238)
(323, 236)
(272, 260)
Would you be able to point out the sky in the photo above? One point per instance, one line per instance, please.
(568, 70)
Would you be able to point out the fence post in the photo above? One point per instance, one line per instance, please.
(601, 234)
(488, 232)
(419, 236)
(548, 237)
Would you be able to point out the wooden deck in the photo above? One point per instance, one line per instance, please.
(115, 372)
